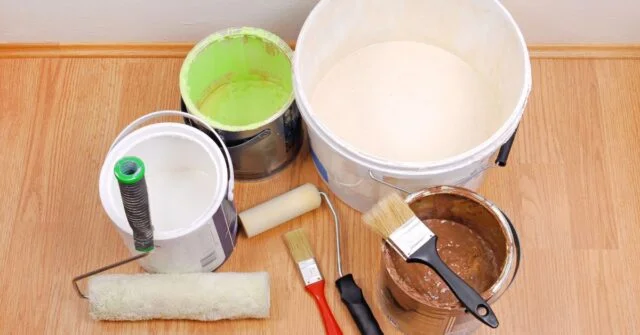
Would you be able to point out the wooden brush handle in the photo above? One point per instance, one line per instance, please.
(474, 303)
(317, 292)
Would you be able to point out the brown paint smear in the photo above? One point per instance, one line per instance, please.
(464, 251)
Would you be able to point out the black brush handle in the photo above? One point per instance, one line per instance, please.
(353, 298)
(428, 255)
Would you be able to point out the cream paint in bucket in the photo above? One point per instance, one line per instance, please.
(190, 190)
(407, 101)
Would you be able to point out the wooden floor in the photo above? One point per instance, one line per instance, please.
(571, 187)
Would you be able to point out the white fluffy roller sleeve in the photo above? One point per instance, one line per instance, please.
(280, 209)
(193, 296)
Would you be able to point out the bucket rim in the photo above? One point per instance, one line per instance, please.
(233, 32)
(150, 132)
(403, 168)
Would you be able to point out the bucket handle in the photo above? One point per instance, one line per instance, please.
(458, 182)
(135, 124)
(386, 183)
(501, 161)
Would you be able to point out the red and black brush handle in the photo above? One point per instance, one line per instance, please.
(317, 292)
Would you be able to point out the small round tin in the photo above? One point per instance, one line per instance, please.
(239, 80)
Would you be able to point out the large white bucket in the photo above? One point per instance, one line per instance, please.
(480, 32)
(190, 185)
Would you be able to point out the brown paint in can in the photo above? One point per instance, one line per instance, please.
(409, 301)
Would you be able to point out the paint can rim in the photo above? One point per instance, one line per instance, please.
(150, 132)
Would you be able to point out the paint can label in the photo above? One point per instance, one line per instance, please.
(224, 231)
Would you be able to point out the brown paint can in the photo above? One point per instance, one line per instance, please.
(405, 303)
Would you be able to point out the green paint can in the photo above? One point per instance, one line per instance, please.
(239, 80)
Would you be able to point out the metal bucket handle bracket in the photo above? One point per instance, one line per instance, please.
(154, 115)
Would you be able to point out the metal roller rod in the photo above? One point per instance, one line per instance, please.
(102, 269)
(337, 225)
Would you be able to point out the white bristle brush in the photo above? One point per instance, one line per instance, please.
(300, 250)
(394, 220)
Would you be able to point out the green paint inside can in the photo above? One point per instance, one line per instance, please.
(238, 79)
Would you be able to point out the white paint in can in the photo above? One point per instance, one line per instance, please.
(190, 192)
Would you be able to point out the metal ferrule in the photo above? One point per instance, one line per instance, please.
(410, 236)
(310, 271)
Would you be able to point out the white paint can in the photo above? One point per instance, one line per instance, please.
(480, 32)
(190, 185)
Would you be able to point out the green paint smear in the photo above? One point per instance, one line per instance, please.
(244, 100)
(239, 79)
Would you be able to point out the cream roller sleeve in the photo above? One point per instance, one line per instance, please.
(280, 209)
(191, 296)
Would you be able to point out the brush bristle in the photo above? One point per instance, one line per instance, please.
(299, 246)
(388, 215)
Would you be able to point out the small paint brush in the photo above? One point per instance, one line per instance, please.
(301, 252)
(394, 220)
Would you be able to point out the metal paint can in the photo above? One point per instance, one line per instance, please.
(239, 80)
(190, 183)
(405, 307)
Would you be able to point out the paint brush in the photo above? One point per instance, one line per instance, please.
(394, 220)
(301, 252)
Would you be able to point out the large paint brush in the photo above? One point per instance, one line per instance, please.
(394, 220)
(301, 252)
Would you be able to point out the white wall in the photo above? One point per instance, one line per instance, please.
(542, 21)
(577, 21)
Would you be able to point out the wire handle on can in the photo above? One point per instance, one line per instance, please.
(136, 123)
(458, 182)
(386, 183)
(500, 161)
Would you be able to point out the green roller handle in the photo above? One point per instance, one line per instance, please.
(130, 171)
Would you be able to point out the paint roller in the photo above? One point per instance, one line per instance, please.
(292, 204)
(280, 209)
(193, 296)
